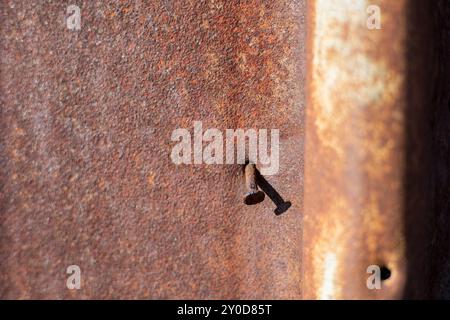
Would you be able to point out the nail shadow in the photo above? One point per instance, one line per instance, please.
(281, 205)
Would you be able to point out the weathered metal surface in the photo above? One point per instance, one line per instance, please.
(85, 142)
(86, 127)
(367, 170)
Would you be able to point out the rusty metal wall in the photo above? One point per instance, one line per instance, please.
(85, 142)
(86, 127)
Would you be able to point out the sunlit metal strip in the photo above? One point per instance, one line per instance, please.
(354, 149)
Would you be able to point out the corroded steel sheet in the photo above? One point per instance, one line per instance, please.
(86, 127)
(354, 149)
(85, 141)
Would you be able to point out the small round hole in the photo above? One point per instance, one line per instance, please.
(385, 273)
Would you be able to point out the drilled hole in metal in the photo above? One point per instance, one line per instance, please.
(385, 273)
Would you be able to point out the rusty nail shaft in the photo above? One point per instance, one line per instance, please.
(252, 194)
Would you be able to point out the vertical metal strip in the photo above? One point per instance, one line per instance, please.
(354, 152)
